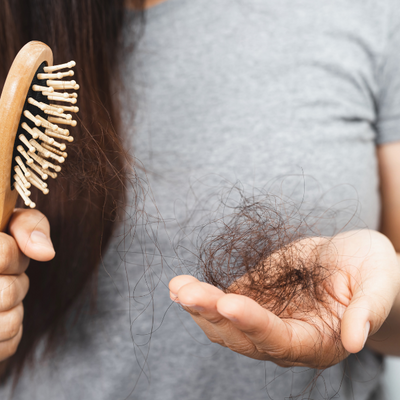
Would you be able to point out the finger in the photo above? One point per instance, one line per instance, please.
(374, 291)
(176, 283)
(9, 347)
(13, 289)
(373, 285)
(10, 322)
(368, 309)
(288, 340)
(31, 230)
(12, 260)
(209, 329)
(200, 299)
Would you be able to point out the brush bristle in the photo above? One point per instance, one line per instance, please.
(38, 145)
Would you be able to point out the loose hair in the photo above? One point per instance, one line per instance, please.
(268, 248)
(85, 201)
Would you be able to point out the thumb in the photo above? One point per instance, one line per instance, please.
(368, 309)
(31, 231)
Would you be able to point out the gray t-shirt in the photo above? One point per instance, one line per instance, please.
(288, 97)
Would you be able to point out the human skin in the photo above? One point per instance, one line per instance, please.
(364, 279)
(384, 337)
(152, 3)
(367, 291)
(237, 321)
(147, 3)
(27, 237)
(367, 288)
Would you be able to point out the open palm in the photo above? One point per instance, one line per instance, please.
(353, 298)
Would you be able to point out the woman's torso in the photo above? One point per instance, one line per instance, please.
(278, 97)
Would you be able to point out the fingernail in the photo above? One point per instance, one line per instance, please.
(366, 332)
(39, 238)
(174, 297)
(193, 307)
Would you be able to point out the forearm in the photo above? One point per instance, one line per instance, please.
(387, 340)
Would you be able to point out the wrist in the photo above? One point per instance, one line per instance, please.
(386, 340)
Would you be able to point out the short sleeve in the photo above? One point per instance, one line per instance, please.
(388, 101)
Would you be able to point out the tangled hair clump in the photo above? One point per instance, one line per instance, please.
(269, 253)
(257, 243)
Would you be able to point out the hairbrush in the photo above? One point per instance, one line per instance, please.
(34, 114)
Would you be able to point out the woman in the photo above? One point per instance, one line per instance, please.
(243, 91)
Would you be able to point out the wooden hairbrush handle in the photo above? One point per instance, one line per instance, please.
(12, 101)
(28, 154)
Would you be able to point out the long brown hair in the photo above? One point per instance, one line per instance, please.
(84, 202)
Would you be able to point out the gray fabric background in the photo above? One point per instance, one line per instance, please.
(288, 97)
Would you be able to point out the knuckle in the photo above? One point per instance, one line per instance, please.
(218, 320)
(8, 292)
(9, 348)
(7, 252)
(192, 312)
(280, 355)
(14, 323)
(13, 346)
(25, 282)
(246, 349)
(28, 219)
(23, 215)
(37, 218)
(216, 339)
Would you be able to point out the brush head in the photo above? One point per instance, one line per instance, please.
(35, 108)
